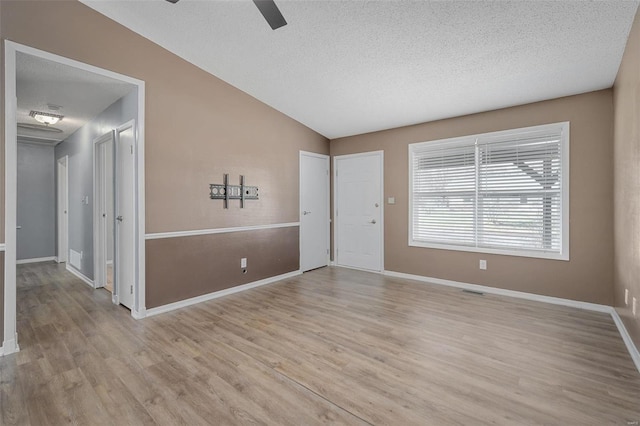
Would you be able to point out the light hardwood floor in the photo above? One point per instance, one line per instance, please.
(332, 346)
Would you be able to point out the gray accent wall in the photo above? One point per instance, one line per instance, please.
(36, 210)
(79, 148)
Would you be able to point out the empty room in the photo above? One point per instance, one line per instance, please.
(290, 212)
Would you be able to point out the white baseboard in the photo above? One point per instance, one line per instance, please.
(9, 346)
(80, 275)
(139, 314)
(198, 299)
(503, 292)
(36, 260)
(631, 347)
(633, 351)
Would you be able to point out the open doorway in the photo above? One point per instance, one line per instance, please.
(69, 106)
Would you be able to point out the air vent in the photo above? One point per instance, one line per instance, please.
(477, 293)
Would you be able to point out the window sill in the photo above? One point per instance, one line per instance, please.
(519, 253)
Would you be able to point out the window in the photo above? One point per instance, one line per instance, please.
(503, 192)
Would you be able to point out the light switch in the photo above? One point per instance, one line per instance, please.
(391, 200)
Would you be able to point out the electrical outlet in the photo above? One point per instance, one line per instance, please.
(483, 264)
(243, 262)
(626, 297)
(633, 307)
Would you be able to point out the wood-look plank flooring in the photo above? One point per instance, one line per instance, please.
(332, 346)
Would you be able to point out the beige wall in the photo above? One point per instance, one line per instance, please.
(197, 128)
(588, 275)
(627, 181)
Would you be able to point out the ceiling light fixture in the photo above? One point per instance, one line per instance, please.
(46, 117)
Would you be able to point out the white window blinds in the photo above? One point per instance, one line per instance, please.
(502, 192)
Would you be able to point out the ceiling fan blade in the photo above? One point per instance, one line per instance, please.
(173, 1)
(270, 12)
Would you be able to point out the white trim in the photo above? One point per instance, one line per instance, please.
(10, 212)
(176, 234)
(10, 52)
(135, 314)
(3, 247)
(17, 47)
(10, 346)
(631, 347)
(35, 260)
(79, 274)
(503, 252)
(379, 153)
(327, 159)
(562, 127)
(205, 297)
(503, 292)
(140, 306)
(633, 350)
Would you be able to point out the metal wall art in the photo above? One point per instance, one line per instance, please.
(228, 192)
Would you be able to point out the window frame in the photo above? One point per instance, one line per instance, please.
(562, 127)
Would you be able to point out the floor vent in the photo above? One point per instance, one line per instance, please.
(479, 293)
(75, 259)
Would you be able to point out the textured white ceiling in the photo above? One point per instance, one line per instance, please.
(82, 94)
(351, 67)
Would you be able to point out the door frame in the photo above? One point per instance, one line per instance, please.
(327, 202)
(62, 219)
(99, 240)
(11, 49)
(336, 220)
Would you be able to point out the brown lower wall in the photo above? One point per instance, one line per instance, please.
(184, 267)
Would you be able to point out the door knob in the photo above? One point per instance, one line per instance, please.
(119, 218)
(306, 213)
(373, 221)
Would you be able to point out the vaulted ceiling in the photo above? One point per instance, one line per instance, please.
(351, 67)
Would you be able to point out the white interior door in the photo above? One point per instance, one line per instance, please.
(62, 176)
(359, 211)
(125, 213)
(103, 207)
(314, 211)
